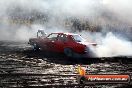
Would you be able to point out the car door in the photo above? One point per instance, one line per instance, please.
(60, 43)
(51, 42)
(48, 42)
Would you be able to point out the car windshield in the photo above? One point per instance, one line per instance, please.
(78, 38)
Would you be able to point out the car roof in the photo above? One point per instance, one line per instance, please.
(65, 33)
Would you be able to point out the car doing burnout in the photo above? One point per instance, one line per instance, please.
(67, 43)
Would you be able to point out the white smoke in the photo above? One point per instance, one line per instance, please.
(23, 33)
(112, 45)
(57, 10)
(96, 11)
(121, 8)
(108, 45)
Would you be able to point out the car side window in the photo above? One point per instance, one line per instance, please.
(78, 38)
(62, 38)
(52, 36)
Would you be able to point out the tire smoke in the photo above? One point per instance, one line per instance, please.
(20, 20)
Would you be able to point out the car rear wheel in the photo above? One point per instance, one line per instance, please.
(36, 47)
(68, 52)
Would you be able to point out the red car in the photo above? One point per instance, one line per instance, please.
(67, 43)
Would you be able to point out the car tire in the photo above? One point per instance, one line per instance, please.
(36, 47)
(68, 52)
